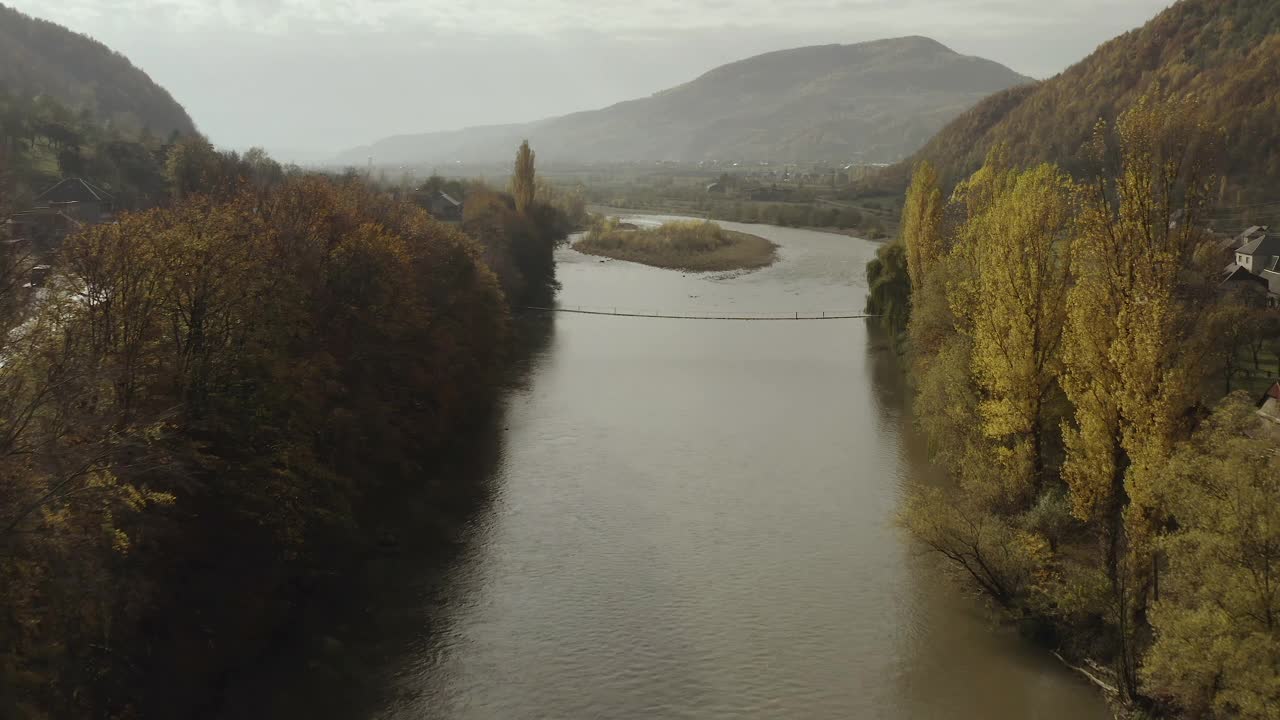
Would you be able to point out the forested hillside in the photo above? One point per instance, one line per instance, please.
(71, 107)
(1225, 51)
(38, 57)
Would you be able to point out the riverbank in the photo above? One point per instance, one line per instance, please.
(691, 245)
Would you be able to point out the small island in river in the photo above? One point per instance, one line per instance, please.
(692, 245)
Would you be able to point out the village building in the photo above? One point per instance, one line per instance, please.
(443, 206)
(59, 211)
(78, 199)
(1259, 253)
(1269, 404)
(41, 229)
(1255, 259)
(1241, 277)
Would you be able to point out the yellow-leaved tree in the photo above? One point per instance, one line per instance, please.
(986, 327)
(1131, 354)
(922, 237)
(1217, 622)
(1015, 304)
(922, 223)
(524, 184)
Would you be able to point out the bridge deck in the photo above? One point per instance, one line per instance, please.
(709, 315)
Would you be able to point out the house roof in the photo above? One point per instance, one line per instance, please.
(1252, 232)
(1239, 274)
(74, 189)
(1237, 241)
(1273, 281)
(1272, 393)
(44, 216)
(1266, 245)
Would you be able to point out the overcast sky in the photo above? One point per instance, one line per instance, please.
(312, 77)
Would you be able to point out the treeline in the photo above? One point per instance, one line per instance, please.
(197, 403)
(796, 215)
(802, 208)
(517, 244)
(1068, 342)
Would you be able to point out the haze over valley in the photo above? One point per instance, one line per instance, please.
(718, 359)
(308, 79)
(873, 102)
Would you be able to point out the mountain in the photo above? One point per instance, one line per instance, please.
(874, 101)
(38, 57)
(1227, 51)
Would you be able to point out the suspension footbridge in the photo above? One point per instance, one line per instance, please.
(706, 315)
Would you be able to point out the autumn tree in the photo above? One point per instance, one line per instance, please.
(922, 224)
(193, 166)
(1236, 328)
(1132, 358)
(1015, 304)
(1129, 348)
(931, 267)
(996, 556)
(523, 181)
(995, 305)
(1217, 621)
(190, 167)
(70, 490)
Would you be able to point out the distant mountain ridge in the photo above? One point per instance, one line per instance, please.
(1226, 51)
(38, 57)
(874, 101)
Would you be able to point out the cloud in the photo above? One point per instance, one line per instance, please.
(548, 17)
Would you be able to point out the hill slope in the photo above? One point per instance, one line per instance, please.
(875, 101)
(38, 57)
(1228, 51)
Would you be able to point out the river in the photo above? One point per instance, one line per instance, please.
(690, 519)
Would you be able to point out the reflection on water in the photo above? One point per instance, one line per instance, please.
(338, 659)
(691, 519)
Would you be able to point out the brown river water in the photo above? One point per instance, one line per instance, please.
(685, 519)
